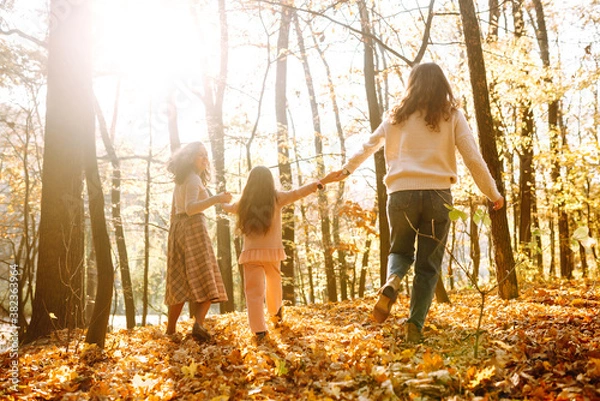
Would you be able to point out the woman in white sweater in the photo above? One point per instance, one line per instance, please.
(420, 137)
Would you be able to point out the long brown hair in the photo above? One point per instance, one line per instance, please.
(257, 204)
(428, 92)
(183, 162)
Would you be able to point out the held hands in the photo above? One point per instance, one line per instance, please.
(333, 176)
(224, 197)
(498, 204)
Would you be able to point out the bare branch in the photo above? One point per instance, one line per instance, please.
(349, 27)
(22, 34)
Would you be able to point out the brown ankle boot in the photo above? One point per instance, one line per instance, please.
(387, 296)
(413, 334)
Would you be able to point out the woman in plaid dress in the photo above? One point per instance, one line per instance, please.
(193, 274)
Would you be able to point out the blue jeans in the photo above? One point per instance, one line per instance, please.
(420, 215)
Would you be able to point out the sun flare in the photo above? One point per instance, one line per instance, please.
(151, 42)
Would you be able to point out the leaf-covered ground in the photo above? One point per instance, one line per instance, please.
(544, 346)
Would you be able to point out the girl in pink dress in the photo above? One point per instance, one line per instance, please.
(259, 221)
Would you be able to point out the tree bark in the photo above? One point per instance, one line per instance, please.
(322, 195)
(474, 249)
(96, 333)
(116, 210)
(494, 8)
(526, 173)
(556, 141)
(59, 293)
(503, 255)
(283, 159)
(214, 93)
(375, 120)
(341, 253)
(145, 295)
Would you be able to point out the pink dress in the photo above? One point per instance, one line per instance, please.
(261, 258)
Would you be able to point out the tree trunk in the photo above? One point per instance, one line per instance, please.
(564, 231)
(96, 333)
(566, 259)
(505, 262)
(341, 253)
(116, 210)
(145, 299)
(283, 159)
(214, 92)
(364, 268)
(475, 249)
(451, 259)
(322, 195)
(494, 19)
(25, 254)
(527, 178)
(59, 293)
(375, 120)
(526, 173)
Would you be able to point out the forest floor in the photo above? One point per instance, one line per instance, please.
(543, 346)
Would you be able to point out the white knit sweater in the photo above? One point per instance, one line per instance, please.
(419, 158)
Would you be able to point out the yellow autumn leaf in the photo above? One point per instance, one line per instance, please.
(190, 370)
(482, 375)
(408, 353)
(431, 362)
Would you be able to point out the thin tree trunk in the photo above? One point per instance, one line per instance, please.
(505, 262)
(441, 295)
(23, 255)
(364, 268)
(475, 249)
(283, 159)
(214, 92)
(309, 258)
(96, 333)
(583, 252)
(564, 231)
(116, 210)
(566, 259)
(494, 19)
(451, 259)
(375, 120)
(341, 253)
(526, 173)
(145, 299)
(322, 195)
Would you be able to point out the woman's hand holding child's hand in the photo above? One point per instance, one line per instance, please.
(333, 176)
(498, 204)
(225, 197)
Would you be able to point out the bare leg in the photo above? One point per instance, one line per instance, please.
(201, 309)
(174, 312)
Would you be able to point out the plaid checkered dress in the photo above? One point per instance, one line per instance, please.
(192, 270)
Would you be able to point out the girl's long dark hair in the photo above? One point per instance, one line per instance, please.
(257, 204)
(183, 162)
(428, 92)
